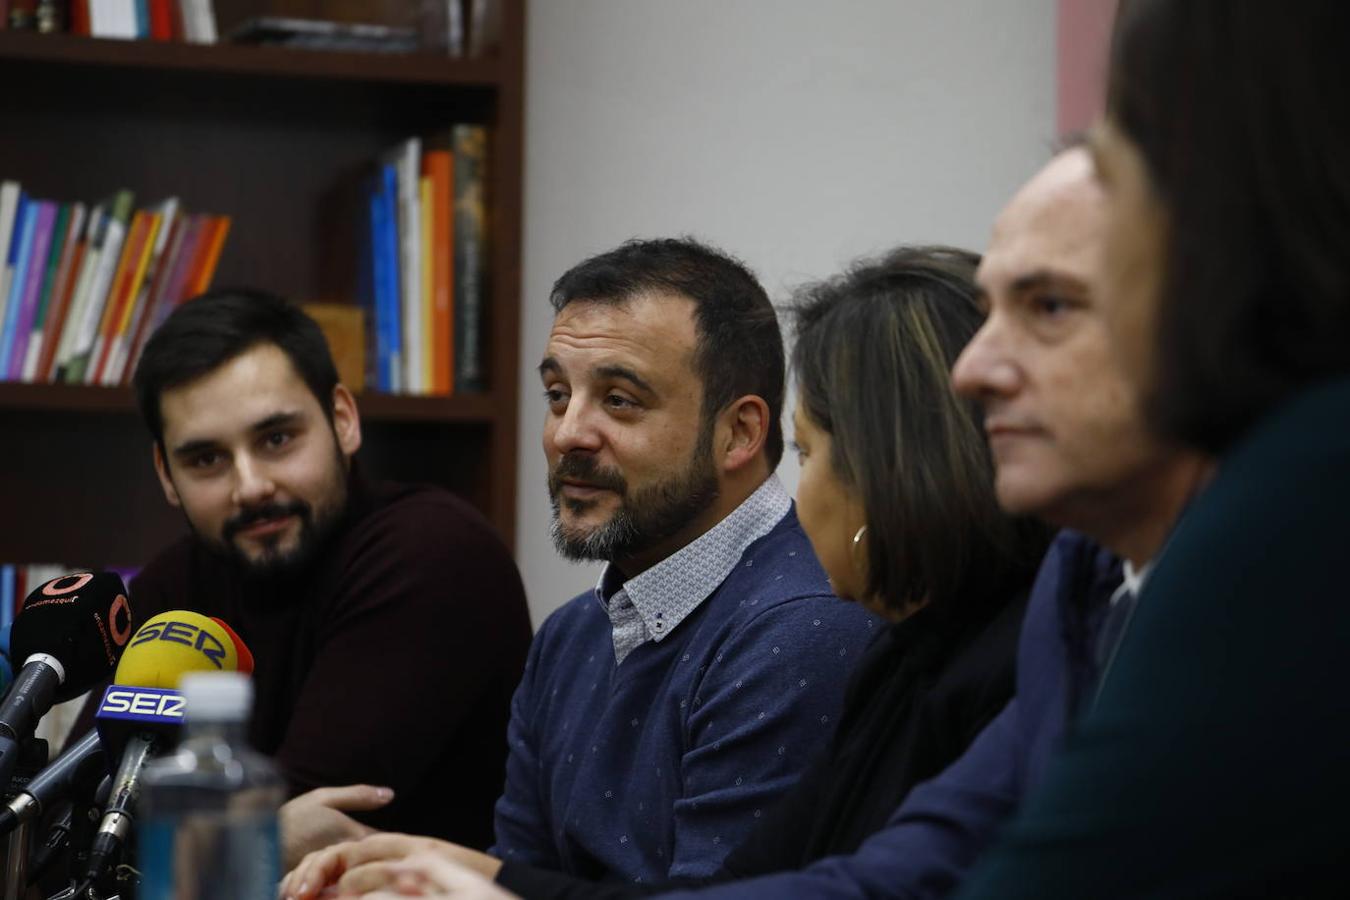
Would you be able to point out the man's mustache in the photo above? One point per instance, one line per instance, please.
(264, 513)
(580, 467)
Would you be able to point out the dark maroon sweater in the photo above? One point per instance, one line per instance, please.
(392, 662)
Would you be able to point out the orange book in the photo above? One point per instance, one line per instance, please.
(116, 346)
(158, 282)
(204, 267)
(439, 166)
(132, 251)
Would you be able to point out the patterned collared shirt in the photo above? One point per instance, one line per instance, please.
(653, 604)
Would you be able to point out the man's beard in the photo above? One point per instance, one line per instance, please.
(274, 564)
(645, 518)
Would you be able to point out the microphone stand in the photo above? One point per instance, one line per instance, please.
(31, 758)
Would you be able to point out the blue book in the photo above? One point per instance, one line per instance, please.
(143, 19)
(37, 271)
(21, 251)
(8, 576)
(390, 297)
(375, 263)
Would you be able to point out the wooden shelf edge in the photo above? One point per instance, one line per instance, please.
(237, 59)
(78, 398)
(469, 409)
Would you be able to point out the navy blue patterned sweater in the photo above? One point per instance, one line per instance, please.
(659, 766)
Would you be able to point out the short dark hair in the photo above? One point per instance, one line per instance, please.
(1242, 114)
(211, 329)
(872, 360)
(740, 347)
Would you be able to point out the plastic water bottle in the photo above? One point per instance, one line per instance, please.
(209, 811)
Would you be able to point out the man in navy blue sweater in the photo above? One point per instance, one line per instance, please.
(662, 712)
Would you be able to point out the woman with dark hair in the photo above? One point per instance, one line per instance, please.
(897, 497)
(1214, 762)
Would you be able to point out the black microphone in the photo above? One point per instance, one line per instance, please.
(69, 634)
(78, 767)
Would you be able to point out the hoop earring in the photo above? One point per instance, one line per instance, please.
(856, 556)
(857, 538)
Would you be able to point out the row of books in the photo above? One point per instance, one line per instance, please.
(81, 288)
(193, 21)
(455, 27)
(424, 265)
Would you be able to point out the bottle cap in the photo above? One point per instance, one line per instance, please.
(217, 695)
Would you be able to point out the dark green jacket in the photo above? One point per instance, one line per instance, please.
(1216, 761)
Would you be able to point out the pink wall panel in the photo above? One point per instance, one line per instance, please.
(1083, 36)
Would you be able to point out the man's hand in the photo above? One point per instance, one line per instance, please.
(324, 869)
(423, 874)
(315, 820)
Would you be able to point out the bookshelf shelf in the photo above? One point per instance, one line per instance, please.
(283, 141)
(470, 409)
(228, 59)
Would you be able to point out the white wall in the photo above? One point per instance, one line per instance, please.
(795, 134)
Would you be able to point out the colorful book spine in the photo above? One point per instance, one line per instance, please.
(154, 292)
(372, 283)
(213, 243)
(21, 250)
(471, 231)
(142, 19)
(95, 234)
(425, 331)
(175, 289)
(199, 21)
(438, 164)
(8, 600)
(389, 277)
(167, 214)
(62, 291)
(161, 20)
(32, 291)
(79, 17)
(55, 253)
(10, 193)
(100, 283)
(407, 161)
(108, 370)
(113, 19)
(132, 251)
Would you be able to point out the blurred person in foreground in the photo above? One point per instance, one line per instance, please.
(1214, 762)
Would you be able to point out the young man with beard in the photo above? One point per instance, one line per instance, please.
(329, 577)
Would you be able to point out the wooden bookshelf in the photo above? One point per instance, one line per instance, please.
(281, 140)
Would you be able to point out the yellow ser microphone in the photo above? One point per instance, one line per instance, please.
(143, 710)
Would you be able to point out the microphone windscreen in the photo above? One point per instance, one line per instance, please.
(176, 642)
(244, 655)
(83, 620)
